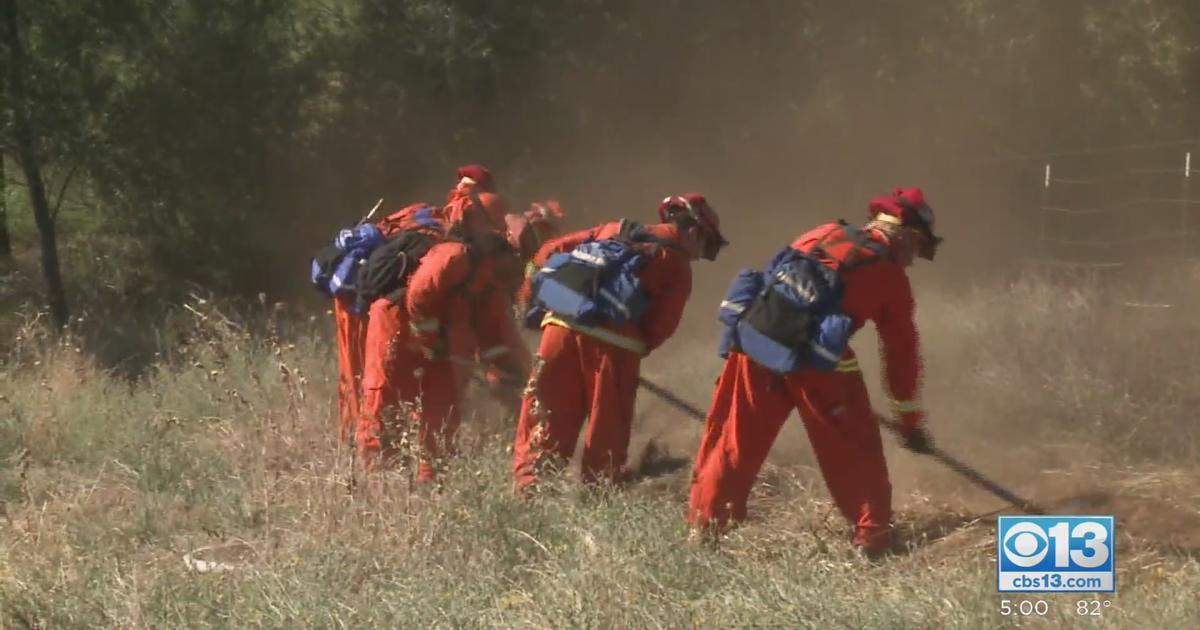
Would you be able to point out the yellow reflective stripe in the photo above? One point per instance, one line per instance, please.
(905, 406)
(493, 352)
(530, 269)
(428, 325)
(848, 365)
(603, 334)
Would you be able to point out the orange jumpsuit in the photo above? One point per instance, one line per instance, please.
(457, 310)
(592, 372)
(526, 234)
(389, 376)
(386, 360)
(351, 331)
(750, 405)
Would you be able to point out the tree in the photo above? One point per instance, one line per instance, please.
(5, 240)
(27, 155)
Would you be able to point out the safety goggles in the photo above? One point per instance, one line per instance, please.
(929, 245)
(930, 242)
(713, 244)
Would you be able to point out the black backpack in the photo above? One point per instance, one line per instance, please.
(386, 271)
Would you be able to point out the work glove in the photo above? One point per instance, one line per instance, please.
(918, 440)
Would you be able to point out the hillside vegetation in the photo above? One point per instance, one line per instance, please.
(224, 453)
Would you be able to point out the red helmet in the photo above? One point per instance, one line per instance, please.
(907, 207)
(695, 206)
(479, 175)
(540, 223)
(545, 212)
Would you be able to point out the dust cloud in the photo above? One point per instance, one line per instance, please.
(783, 141)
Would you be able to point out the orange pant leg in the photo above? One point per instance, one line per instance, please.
(844, 433)
(749, 408)
(718, 411)
(351, 332)
(552, 409)
(610, 378)
(438, 410)
(388, 366)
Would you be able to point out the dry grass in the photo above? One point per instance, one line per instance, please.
(225, 451)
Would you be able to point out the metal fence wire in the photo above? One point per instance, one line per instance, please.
(1108, 217)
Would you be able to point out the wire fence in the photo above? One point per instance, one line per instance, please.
(1105, 215)
(1111, 212)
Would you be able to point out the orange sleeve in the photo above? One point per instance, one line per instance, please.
(898, 338)
(667, 281)
(443, 269)
(500, 344)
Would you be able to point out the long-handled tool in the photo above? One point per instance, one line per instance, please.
(671, 398)
(371, 213)
(970, 474)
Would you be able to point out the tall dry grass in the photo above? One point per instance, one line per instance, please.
(1110, 364)
(224, 452)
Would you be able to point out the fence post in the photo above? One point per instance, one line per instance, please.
(1043, 221)
(1185, 205)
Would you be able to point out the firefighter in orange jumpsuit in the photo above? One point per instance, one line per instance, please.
(592, 371)
(529, 231)
(750, 403)
(351, 328)
(459, 309)
(388, 360)
(384, 352)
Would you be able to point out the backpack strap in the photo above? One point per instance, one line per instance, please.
(859, 239)
(628, 230)
(634, 232)
(857, 243)
(396, 296)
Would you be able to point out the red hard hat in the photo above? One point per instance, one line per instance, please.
(696, 206)
(547, 211)
(540, 223)
(908, 206)
(479, 175)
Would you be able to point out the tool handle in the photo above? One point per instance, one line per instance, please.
(970, 474)
(671, 398)
(938, 454)
(371, 213)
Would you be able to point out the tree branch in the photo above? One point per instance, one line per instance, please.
(62, 191)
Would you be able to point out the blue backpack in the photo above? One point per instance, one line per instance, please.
(335, 267)
(595, 283)
(790, 315)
